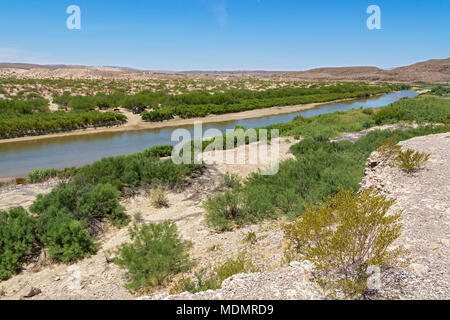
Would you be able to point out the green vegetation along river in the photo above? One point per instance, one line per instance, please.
(17, 159)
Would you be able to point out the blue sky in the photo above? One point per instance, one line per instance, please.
(224, 34)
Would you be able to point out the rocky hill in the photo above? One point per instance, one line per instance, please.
(431, 71)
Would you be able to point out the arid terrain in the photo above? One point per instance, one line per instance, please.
(431, 71)
(425, 234)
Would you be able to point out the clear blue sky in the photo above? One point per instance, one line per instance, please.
(224, 34)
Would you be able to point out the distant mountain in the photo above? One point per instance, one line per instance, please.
(432, 71)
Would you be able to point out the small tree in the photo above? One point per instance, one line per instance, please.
(156, 253)
(344, 237)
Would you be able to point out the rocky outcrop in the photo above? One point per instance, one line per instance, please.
(424, 198)
(291, 283)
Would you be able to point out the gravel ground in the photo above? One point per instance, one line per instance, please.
(425, 198)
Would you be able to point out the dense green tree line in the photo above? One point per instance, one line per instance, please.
(12, 108)
(163, 99)
(191, 111)
(43, 123)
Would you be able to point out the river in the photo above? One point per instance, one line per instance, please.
(17, 159)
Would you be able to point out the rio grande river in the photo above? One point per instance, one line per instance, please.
(17, 159)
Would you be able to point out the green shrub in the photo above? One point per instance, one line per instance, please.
(90, 202)
(70, 214)
(410, 161)
(159, 151)
(205, 279)
(232, 181)
(67, 173)
(344, 236)
(66, 238)
(420, 110)
(441, 90)
(368, 111)
(37, 176)
(319, 170)
(223, 209)
(389, 147)
(17, 237)
(156, 253)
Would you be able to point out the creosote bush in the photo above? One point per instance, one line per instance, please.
(343, 237)
(410, 160)
(155, 254)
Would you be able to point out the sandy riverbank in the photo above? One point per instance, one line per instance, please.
(136, 124)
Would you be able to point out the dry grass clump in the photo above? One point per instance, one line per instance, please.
(158, 198)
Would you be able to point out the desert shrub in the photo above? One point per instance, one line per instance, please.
(37, 176)
(420, 110)
(212, 279)
(368, 111)
(410, 160)
(67, 173)
(17, 237)
(92, 195)
(203, 280)
(344, 236)
(441, 90)
(223, 209)
(241, 264)
(250, 237)
(70, 215)
(319, 170)
(21, 181)
(90, 202)
(128, 172)
(158, 198)
(156, 253)
(159, 151)
(66, 238)
(389, 147)
(231, 180)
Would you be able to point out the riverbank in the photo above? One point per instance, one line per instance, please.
(136, 124)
